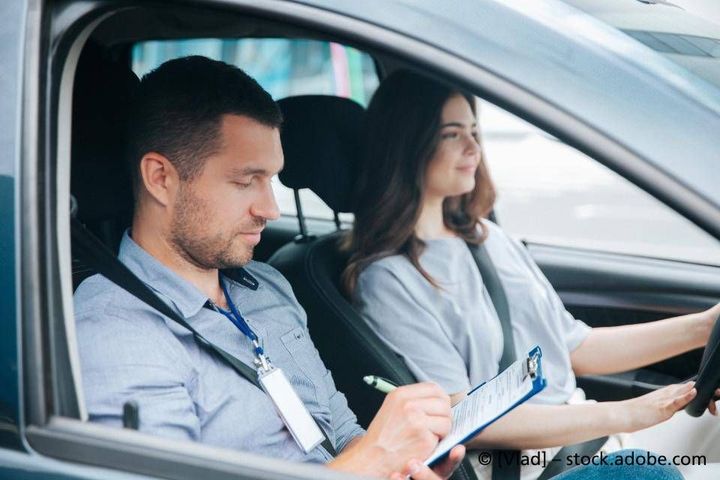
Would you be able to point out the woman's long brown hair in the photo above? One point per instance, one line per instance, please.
(401, 134)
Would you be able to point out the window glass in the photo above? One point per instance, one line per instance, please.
(284, 67)
(550, 193)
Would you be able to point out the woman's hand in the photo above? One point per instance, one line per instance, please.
(656, 407)
(707, 319)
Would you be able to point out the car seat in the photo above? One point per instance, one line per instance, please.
(100, 181)
(321, 143)
(320, 140)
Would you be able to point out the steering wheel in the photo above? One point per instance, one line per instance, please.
(708, 378)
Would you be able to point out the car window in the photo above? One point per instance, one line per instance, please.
(284, 67)
(552, 194)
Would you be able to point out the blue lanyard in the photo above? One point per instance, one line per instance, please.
(234, 316)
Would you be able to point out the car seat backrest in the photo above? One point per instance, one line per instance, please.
(321, 142)
(321, 139)
(100, 181)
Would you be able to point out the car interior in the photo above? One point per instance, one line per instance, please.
(321, 139)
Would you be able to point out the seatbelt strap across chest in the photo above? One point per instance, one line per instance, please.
(501, 470)
(495, 289)
(492, 283)
(99, 257)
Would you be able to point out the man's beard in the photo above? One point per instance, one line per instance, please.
(206, 250)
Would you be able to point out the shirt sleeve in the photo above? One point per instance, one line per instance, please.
(573, 330)
(411, 327)
(125, 361)
(344, 421)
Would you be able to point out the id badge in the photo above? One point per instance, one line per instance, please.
(292, 410)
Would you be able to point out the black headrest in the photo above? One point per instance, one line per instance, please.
(100, 178)
(321, 142)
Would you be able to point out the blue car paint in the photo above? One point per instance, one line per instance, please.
(21, 466)
(9, 373)
(11, 57)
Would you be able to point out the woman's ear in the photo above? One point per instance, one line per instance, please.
(159, 177)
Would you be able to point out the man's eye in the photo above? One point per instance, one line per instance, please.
(242, 185)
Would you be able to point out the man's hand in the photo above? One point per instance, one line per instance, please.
(418, 471)
(408, 426)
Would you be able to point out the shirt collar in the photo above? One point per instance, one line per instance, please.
(187, 298)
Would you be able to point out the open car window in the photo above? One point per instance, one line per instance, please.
(312, 67)
(284, 67)
(550, 193)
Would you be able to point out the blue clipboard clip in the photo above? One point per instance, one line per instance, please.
(531, 367)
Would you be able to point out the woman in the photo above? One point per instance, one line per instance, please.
(425, 190)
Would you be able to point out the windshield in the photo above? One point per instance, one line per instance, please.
(683, 31)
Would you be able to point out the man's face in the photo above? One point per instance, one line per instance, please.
(218, 215)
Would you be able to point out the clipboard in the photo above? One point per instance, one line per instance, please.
(532, 382)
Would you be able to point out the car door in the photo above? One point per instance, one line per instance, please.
(606, 290)
(45, 407)
(44, 428)
(615, 255)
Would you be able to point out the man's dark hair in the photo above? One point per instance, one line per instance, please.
(178, 108)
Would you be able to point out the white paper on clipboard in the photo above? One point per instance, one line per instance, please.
(490, 401)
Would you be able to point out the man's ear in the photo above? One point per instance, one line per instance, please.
(159, 177)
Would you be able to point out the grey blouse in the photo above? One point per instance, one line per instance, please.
(452, 335)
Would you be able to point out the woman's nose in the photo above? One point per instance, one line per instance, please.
(471, 146)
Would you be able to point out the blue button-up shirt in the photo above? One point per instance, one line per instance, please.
(129, 351)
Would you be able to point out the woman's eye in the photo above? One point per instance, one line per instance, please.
(449, 135)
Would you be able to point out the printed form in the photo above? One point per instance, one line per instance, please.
(485, 404)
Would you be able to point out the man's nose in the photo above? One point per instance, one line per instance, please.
(266, 207)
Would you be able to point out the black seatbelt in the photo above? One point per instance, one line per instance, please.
(509, 469)
(99, 257)
(497, 295)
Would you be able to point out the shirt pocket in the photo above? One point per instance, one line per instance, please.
(309, 376)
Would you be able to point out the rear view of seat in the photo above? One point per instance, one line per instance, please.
(321, 142)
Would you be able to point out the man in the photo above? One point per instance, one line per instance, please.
(204, 142)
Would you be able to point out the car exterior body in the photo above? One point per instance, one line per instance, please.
(645, 117)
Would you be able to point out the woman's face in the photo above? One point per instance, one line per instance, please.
(451, 170)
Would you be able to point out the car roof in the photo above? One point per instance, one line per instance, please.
(653, 107)
(682, 37)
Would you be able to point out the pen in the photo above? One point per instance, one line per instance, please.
(381, 384)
